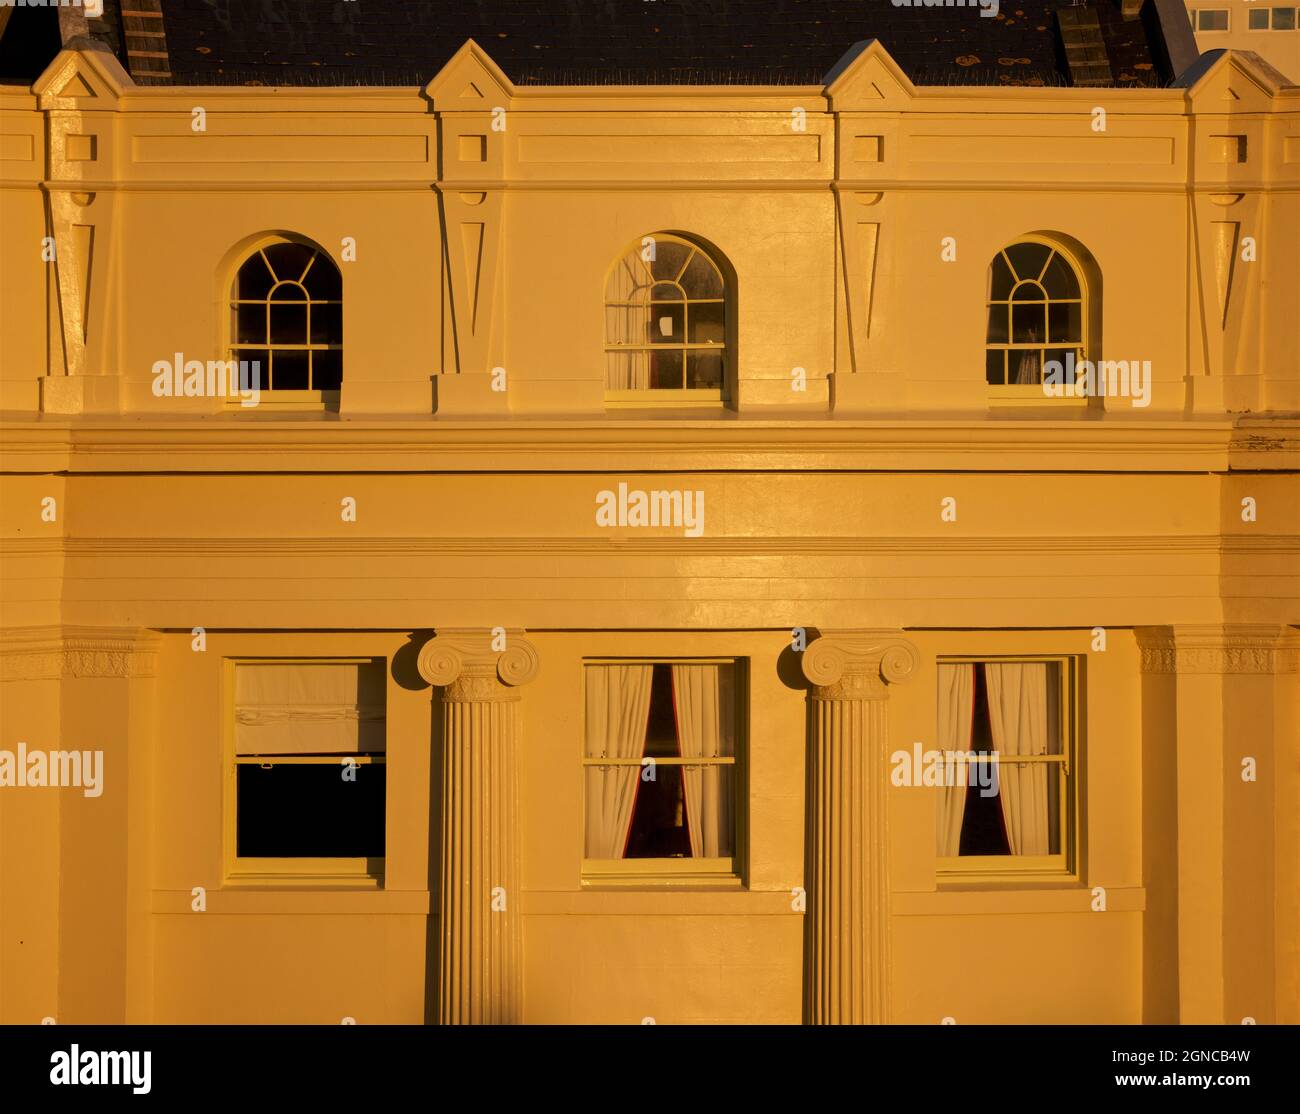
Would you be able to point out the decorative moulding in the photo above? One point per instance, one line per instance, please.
(48, 653)
(1264, 649)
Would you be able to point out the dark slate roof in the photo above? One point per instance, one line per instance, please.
(546, 42)
(597, 42)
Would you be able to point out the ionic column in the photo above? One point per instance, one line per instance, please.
(480, 976)
(846, 980)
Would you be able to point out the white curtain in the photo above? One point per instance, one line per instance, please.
(309, 708)
(1017, 695)
(618, 709)
(703, 703)
(1028, 367)
(628, 324)
(956, 719)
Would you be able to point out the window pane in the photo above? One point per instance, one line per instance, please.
(288, 261)
(326, 323)
(995, 363)
(1063, 321)
(997, 323)
(701, 278)
(288, 292)
(627, 324)
(289, 370)
(258, 364)
(666, 369)
(1066, 373)
(704, 370)
(305, 810)
(670, 258)
(254, 280)
(1028, 259)
(658, 829)
(1028, 292)
(706, 324)
(1059, 280)
(666, 292)
(1028, 322)
(322, 279)
(627, 371)
(326, 370)
(1001, 280)
(250, 324)
(288, 322)
(669, 323)
(1024, 368)
(1284, 19)
(1213, 20)
(1258, 19)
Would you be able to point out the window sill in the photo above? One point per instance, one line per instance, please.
(659, 883)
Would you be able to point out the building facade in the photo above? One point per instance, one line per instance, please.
(633, 499)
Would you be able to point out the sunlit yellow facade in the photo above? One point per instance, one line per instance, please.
(872, 508)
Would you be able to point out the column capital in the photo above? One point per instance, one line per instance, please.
(51, 652)
(465, 663)
(1219, 648)
(857, 664)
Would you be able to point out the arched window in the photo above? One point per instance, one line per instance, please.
(286, 307)
(1036, 312)
(666, 323)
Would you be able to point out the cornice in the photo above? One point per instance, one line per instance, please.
(669, 444)
(1199, 545)
(49, 653)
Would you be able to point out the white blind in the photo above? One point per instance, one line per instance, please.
(309, 708)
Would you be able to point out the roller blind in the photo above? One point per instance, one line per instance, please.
(309, 708)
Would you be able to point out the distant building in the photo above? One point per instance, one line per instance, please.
(1271, 30)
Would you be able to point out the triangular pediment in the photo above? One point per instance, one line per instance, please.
(867, 77)
(80, 78)
(1231, 81)
(470, 80)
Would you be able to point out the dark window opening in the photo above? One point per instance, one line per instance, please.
(309, 810)
(983, 830)
(659, 826)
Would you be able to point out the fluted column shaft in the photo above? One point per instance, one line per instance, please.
(480, 949)
(848, 949)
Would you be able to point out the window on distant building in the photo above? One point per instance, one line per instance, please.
(1257, 19)
(1212, 19)
(660, 770)
(1009, 807)
(1036, 312)
(308, 774)
(286, 308)
(666, 325)
(1284, 19)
